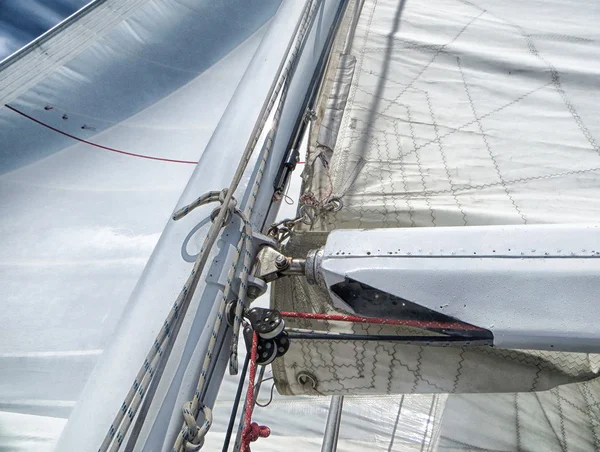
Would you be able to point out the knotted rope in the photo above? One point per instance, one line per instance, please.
(252, 431)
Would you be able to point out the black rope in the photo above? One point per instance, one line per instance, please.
(236, 403)
(392, 338)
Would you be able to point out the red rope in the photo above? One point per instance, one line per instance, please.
(106, 148)
(252, 431)
(379, 321)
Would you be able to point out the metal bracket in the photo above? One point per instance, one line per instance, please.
(261, 240)
(271, 265)
(256, 287)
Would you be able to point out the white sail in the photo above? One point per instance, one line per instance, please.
(453, 113)
(445, 113)
(79, 221)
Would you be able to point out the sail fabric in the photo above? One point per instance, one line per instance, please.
(456, 113)
(101, 126)
(466, 113)
(564, 418)
(406, 423)
(100, 129)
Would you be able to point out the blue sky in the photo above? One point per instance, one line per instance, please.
(21, 21)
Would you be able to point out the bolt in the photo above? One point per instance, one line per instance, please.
(281, 262)
(253, 292)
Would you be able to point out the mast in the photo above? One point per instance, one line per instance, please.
(162, 277)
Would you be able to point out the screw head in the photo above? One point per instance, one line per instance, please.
(280, 261)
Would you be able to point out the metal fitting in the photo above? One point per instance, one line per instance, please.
(281, 262)
(306, 379)
(313, 267)
(271, 265)
(256, 287)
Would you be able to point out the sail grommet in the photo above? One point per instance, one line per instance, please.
(306, 379)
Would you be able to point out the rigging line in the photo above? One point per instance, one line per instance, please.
(252, 431)
(129, 408)
(267, 379)
(145, 407)
(427, 340)
(191, 434)
(236, 404)
(238, 441)
(261, 376)
(124, 417)
(382, 321)
(316, 83)
(270, 397)
(90, 143)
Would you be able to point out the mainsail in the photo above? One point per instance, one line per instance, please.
(452, 113)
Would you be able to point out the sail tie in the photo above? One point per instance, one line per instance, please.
(311, 207)
(195, 434)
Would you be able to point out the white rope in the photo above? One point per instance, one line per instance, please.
(309, 13)
(192, 433)
(124, 417)
(191, 437)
